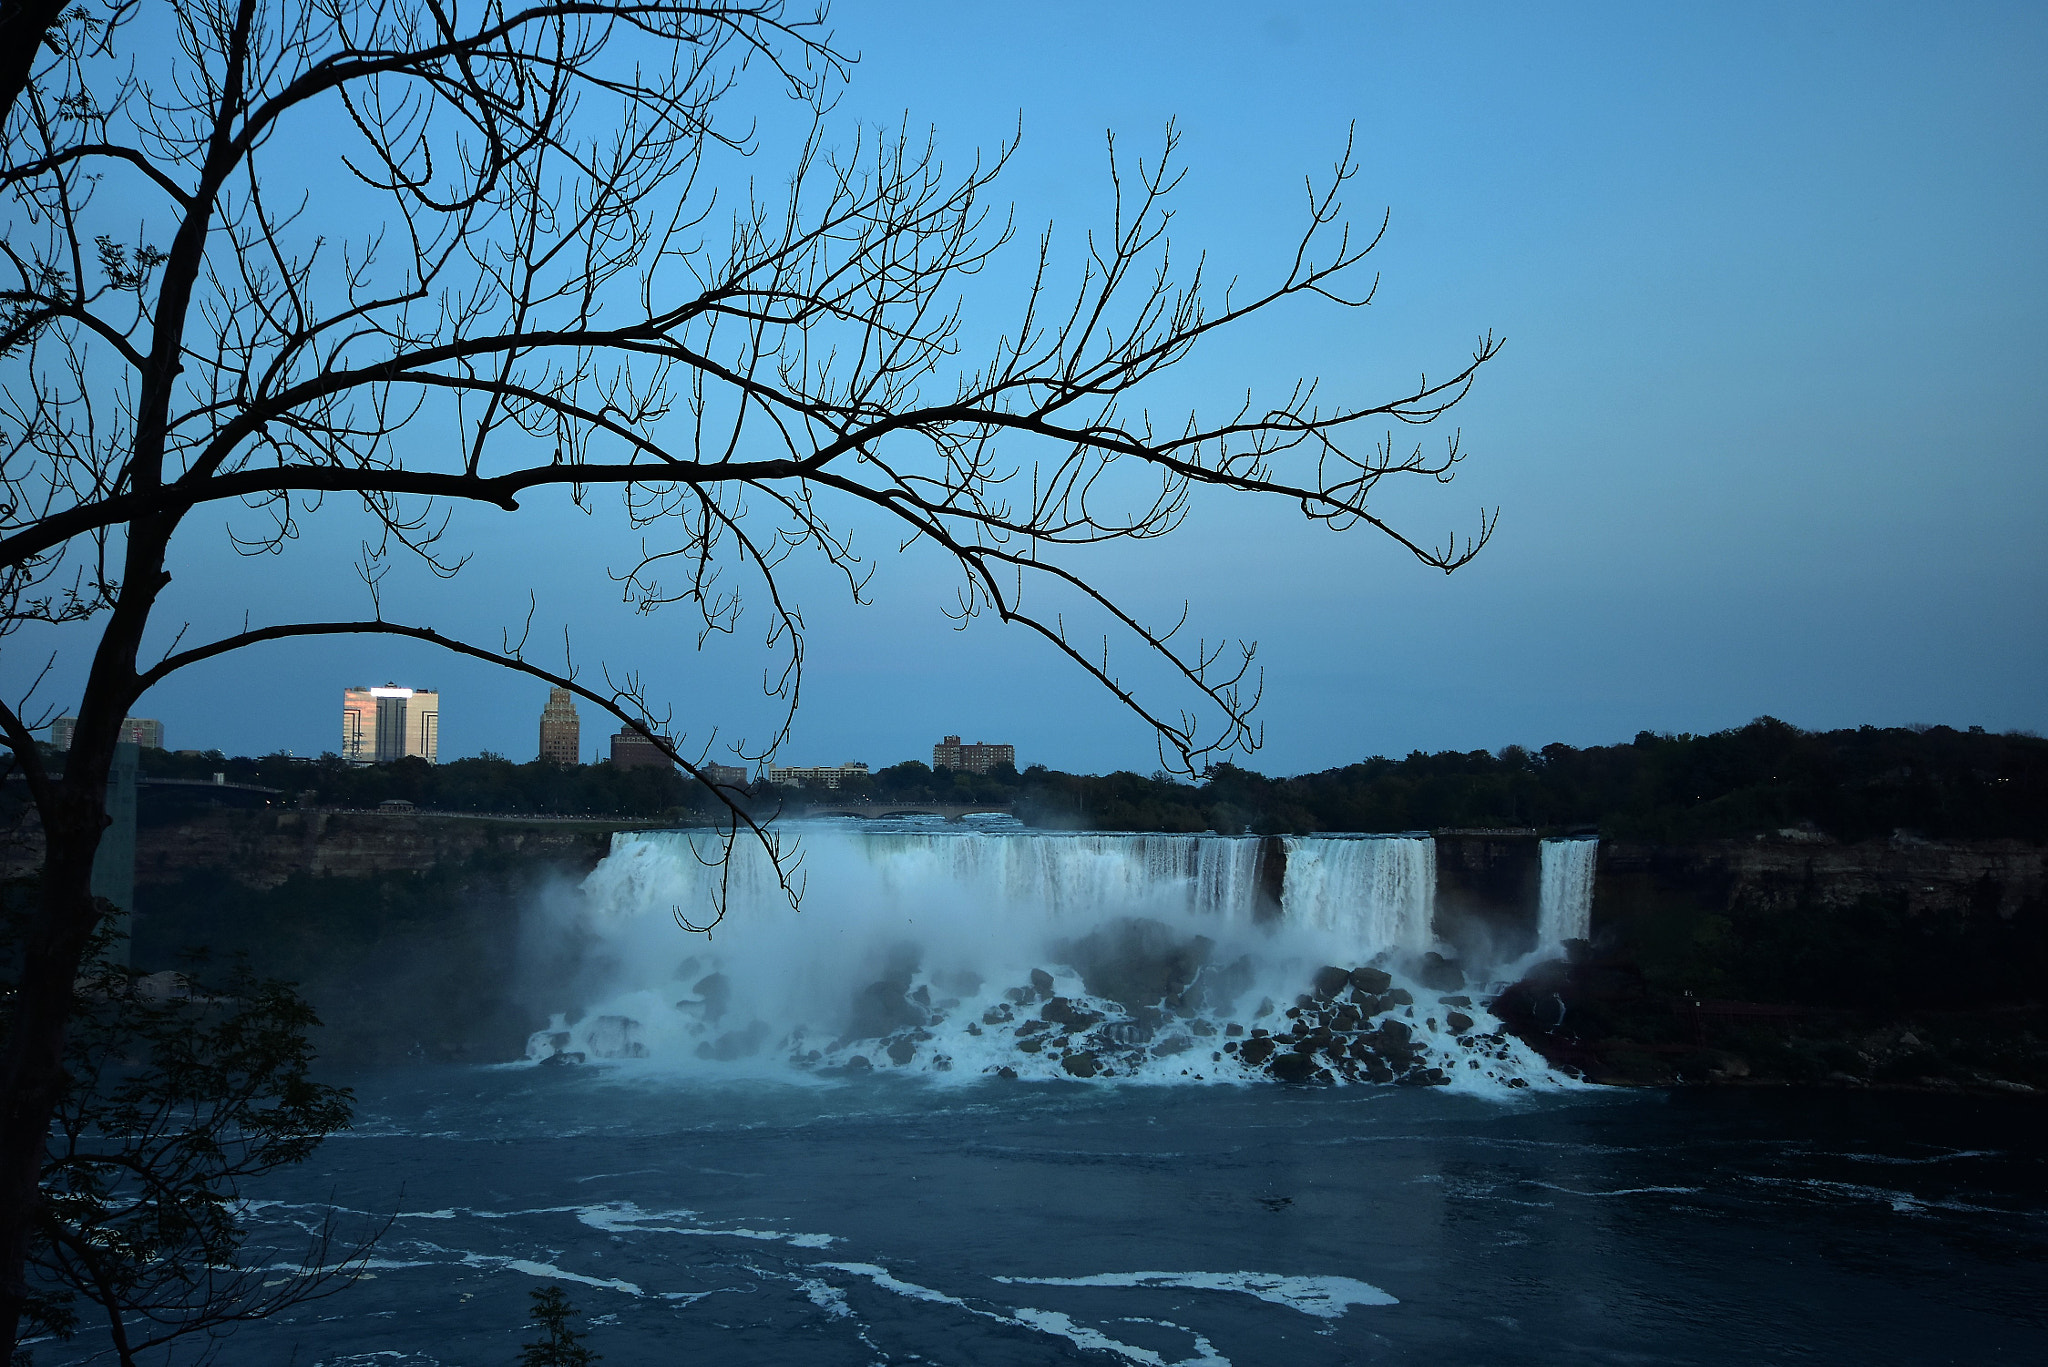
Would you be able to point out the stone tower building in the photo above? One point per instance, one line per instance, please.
(561, 734)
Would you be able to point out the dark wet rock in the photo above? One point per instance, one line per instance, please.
(1370, 1004)
(1233, 1030)
(1260, 1031)
(1019, 996)
(998, 1015)
(1081, 1063)
(1439, 974)
(1171, 1045)
(1230, 1046)
(1329, 981)
(1371, 981)
(714, 991)
(561, 1057)
(1347, 1018)
(859, 1064)
(1256, 1050)
(1032, 1045)
(942, 1063)
(1393, 1032)
(1033, 1028)
(1042, 981)
(883, 1007)
(1069, 1016)
(1007, 1072)
(902, 1051)
(1292, 1067)
(1426, 1077)
(973, 1029)
(1400, 996)
(1138, 962)
(922, 996)
(1202, 1028)
(613, 1037)
(735, 1044)
(1459, 1022)
(1464, 1003)
(1216, 990)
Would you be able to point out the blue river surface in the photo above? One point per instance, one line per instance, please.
(887, 1220)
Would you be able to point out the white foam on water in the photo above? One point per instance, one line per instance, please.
(915, 951)
(1322, 1297)
(1049, 1322)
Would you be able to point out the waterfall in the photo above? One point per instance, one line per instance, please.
(1565, 911)
(1023, 952)
(1376, 892)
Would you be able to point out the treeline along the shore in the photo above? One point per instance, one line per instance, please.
(1934, 781)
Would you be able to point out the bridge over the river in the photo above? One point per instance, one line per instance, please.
(952, 811)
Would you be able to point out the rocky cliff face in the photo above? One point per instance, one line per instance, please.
(262, 848)
(1981, 877)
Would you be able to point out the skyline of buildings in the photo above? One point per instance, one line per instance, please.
(386, 723)
(824, 775)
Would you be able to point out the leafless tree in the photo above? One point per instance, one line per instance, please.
(554, 277)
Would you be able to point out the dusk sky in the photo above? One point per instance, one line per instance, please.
(1767, 434)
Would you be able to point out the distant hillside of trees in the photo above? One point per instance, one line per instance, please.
(1767, 776)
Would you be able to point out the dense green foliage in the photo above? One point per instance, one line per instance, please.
(179, 1088)
(1765, 776)
(559, 1345)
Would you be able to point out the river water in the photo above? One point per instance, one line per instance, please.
(882, 1220)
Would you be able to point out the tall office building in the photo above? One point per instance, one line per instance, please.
(146, 732)
(977, 758)
(379, 725)
(631, 750)
(561, 733)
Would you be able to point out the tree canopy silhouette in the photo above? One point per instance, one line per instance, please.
(282, 260)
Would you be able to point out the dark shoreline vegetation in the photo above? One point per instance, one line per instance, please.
(1831, 969)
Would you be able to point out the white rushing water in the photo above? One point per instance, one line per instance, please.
(947, 951)
(1379, 893)
(1566, 908)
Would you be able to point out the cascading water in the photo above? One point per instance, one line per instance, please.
(1378, 891)
(1565, 910)
(1031, 954)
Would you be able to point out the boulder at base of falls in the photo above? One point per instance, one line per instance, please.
(1293, 1067)
(1371, 981)
(1400, 996)
(902, 1050)
(612, 1037)
(1439, 974)
(1459, 1022)
(859, 1064)
(1068, 1016)
(1171, 1045)
(735, 1044)
(1081, 1063)
(1330, 981)
(1256, 1050)
(1042, 980)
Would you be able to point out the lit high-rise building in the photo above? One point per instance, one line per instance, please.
(379, 725)
(561, 732)
(146, 732)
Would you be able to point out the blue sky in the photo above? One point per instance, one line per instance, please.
(1767, 435)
